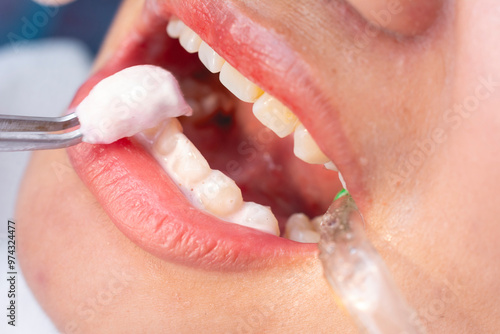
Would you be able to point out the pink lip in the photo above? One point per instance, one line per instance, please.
(143, 201)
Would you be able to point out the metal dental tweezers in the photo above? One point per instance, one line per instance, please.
(25, 133)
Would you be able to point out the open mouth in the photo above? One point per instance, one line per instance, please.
(239, 182)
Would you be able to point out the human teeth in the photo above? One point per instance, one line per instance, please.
(237, 84)
(166, 141)
(175, 28)
(316, 222)
(306, 149)
(179, 156)
(218, 194)
(187, 163)
(341, 178)
(298, 228)
(211, 190)
(331, 166)
(190, 40)
(258, 217)
(207, 189)
(212, 61)
(274, 115)
(210, 103)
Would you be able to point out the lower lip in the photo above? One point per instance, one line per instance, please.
(150, 210)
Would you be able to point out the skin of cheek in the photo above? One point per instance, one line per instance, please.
(90, 278)
(405, 17)
(442, 213)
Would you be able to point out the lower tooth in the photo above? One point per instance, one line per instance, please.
(298, 228)
(306, 149)
(167, 140)
(210, 103)
(187, 163)
(316, 222)
(218, 194)
(258, 217)
(207, 189)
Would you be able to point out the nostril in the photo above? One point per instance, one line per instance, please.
(405, 17)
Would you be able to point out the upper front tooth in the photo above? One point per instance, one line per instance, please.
(190, 40)
(175, 27)
(212, 61)
(237, 84)
(273, 114)
(305, 148)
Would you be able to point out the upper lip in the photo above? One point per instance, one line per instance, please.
(145, 205)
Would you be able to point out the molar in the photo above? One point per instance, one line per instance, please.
(298, 228)
(166, 140)
(218, 194)
(258, 217)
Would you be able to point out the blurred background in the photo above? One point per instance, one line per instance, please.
(45, 55)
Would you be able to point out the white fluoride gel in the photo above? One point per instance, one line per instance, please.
(128, 102)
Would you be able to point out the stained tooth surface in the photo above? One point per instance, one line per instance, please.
(237, 84)
(175, 27)
(274, 115)
(190, 40)
(218, 194)
(258, 217)
(305, 148)
(299, 228)
(212, 61)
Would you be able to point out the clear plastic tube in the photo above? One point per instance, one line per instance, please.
(359, 276)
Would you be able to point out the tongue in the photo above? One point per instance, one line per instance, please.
(130, 101)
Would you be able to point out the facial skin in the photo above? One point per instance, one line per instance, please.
(420, 109)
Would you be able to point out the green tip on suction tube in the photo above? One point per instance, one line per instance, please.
(341, 193)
